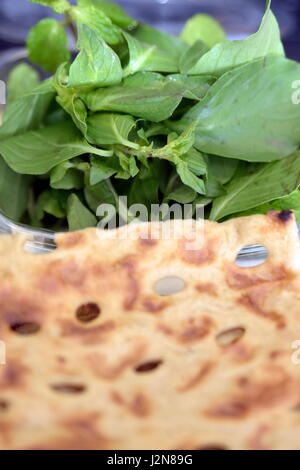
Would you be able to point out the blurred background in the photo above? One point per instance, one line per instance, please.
(239, 17)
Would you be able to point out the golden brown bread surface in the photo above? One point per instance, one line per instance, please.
(96, 359)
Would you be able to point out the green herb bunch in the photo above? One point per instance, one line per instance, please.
(138, 112)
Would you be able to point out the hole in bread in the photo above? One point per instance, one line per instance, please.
(148, 366)
(251, 256)
(68, 388)
(88, 312)
(212, 447)
(169, 285)
(230, 336)
(4, 405)
(25, 328)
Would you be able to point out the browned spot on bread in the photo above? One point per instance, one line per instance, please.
(78, 433)
(12, 374)
(277, 353)
(258, 441)
(152, 305)
(18, 307)
(268, 393)
(203, 255)
(165, 329)
(203, 372)
(61, 273)
(4, 405)
(237, 279)
(253, 301)
(90, 335)
(148, 242)
(195, 329)
(282, 217)
(212, 447)
(230, 409)
(117, 398)
(131, 296)
(100, 365)
(240, 352)
(71, 239)
(207, 288)
(139, 405)
(6, 432)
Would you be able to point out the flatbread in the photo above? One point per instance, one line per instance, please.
(97, 359)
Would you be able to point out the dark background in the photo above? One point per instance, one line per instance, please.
(239, 17)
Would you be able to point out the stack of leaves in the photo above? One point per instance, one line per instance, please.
(137, 112)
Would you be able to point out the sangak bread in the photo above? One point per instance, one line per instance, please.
(96, 359)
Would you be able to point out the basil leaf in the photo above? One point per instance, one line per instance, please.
(48, 202)
(219, 172)
(143, 56)
(55, 115)
(229, 54)
(79, 217)
(109, 128)
(21, 80)
(37, 152)
(155, 102)
(182, 194)
(168, 43)
(145, 187)
(189, 178)
(213, 187)
(101, 193)
(59, 6)
(116, 13)
(223, 169)
(97, 65)
(144, 191)
(13, 207)
(128, 166)
(95, 19)
(66, 176)
(47, 44)
(249, 114)
(205, 28)
(102, 169)
(291, 202)
(145, 79)
(27, 112)
(195, 161)
(195, 88)
(68, 99)
(190, 58)
(175, 148)
(257, 184)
